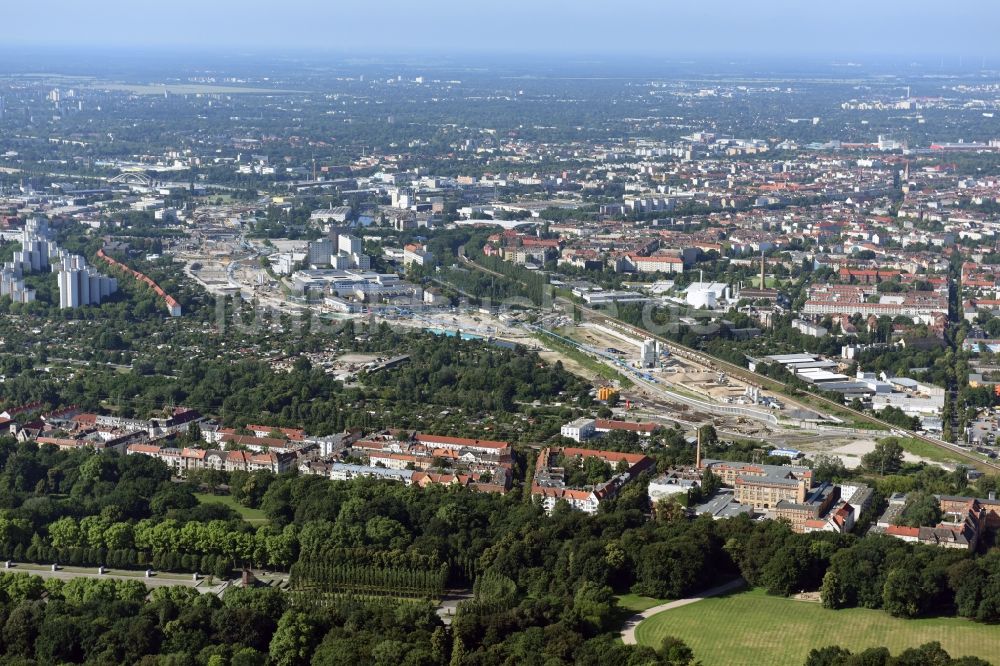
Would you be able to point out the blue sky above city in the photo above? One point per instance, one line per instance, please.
(597, 27)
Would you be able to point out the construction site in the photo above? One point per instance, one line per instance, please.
(666, 387)
(654, 381)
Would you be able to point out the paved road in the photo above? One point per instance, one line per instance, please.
(162, 580)
(628, 631)
(217, 587)
(449, 605)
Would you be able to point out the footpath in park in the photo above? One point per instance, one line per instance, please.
(628, 631)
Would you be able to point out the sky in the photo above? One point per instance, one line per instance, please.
(611, 28)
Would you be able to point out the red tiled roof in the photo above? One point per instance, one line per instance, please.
(606, 424)
(144, 448)
(560, 493)
(290, 433)
(610, 456)
(250, 440)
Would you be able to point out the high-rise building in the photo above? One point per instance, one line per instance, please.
(80, 284)
(11, 284)
(69, 288)
(319, 252)
(36, 251)
(37, 248)
(348, 244)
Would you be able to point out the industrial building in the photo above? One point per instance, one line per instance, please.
(356, 284)
(647, 357)
(706, 295)
(762, 486)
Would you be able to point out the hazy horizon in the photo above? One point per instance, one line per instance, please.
(919, 29)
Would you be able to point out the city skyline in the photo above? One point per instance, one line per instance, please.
(457, 334)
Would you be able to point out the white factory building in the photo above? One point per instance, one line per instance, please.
(706, 294)
(580, 429)
(669, 485)
(361, 285)
(913, 397)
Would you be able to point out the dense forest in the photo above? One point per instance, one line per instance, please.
(543, 586)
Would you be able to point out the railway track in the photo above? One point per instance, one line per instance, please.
(752, 377)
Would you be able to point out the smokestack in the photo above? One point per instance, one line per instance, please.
(697, 452)
(762, 264)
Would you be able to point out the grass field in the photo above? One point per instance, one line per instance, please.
(638, 603)
(754, 629)
(250, 515)
(929, 451)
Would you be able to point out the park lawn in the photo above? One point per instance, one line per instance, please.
(638, 603)
(255, 516)
(754, 629)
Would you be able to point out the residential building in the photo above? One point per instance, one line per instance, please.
(964, 521)
(414, 253)
(319, 252)
(549, 481)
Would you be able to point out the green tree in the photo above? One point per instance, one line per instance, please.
(675, 652)
(248, 657)
(828, 468)
(922, 509)
(594, 605)
(887, 458)
(65, 533)
(293, 640)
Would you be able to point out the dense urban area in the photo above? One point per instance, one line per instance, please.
(314, 362)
